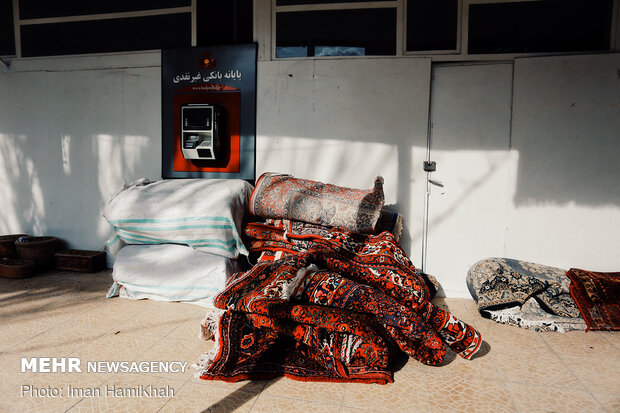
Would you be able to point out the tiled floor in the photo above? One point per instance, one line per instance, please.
(66, 315)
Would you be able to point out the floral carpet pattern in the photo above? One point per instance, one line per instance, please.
(284, 196)
(597, 295)
(524, 294)
(339, 311)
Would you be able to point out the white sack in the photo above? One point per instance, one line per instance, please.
(206, 214)
(169, 272)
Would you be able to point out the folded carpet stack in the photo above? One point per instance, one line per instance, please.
(177, 240)
(324, 302)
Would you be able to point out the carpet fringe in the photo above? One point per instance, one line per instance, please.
(514, 316)
(209, 329)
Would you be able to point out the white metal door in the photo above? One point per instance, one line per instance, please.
(469, 140)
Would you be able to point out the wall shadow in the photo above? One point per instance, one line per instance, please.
(68, 140)
(566, 127)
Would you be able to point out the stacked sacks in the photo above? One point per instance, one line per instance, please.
(177, 240)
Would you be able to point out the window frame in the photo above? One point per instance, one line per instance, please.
(613, 41)
(18, 22)
(397, 4)
(267, 41)
(418, 53)
(264, 17)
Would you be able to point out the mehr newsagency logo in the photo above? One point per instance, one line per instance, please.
(75, 365)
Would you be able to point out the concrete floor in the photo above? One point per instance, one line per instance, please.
(62, 314)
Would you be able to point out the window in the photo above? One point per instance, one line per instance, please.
(432, 25)
(540, 26)
(442, 29)
(354, 32)
(61, 27)
(37, 9)
(108, 35)
(224, 22)
(298, 2)
(7, 34)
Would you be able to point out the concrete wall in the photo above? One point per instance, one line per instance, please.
(565, 209)
(346, 122)
(528, 154)
(72, 130)
(529, 161)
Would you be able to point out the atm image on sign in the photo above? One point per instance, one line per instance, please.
(202, 131)
(208, 112)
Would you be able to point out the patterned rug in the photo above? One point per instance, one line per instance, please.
(284, 196)
(524, 294)
(276, 238)
(292, 237)
(342, 322)
(302, 342)
(597, 295)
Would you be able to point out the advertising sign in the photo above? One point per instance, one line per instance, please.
(209, 112)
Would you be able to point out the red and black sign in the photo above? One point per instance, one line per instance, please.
(209, 112)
